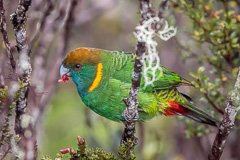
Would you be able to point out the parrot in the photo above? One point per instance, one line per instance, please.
(103, 77)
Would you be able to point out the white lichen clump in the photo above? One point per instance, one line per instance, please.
(152, 70)
(24, 62)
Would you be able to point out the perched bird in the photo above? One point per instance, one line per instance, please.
(104, 77)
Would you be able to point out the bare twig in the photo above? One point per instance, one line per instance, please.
(3, 26)
(46, 13)
(206, 95)
(61, 47)
(215, 106)
(162, 7)
(227, 122)
(2, 82)
(6, 152)
(37, 12)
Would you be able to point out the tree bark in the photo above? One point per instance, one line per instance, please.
(227, 122)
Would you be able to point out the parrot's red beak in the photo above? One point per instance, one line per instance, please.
(65, 73)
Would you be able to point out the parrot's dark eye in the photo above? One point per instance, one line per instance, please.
(77, 67)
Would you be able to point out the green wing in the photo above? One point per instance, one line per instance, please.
(168, 80)
(120, 66)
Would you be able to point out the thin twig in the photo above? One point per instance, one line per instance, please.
(227, 122)
(46, 13)
(6, 152)
(162, 7)
(217, 108)
(2, 82)
(61, 47)
(3, 28)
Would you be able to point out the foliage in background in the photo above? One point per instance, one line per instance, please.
(215, 25)
(84, 153)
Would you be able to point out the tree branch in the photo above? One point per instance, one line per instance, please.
(131, 111)
(162, 7)
(61, 47)
(227, 122)
(41, 89)
(18, 20)
(3, 27)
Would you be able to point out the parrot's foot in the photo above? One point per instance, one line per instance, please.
(128, 117)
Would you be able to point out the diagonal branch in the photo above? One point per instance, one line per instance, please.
(162, 7)
(3, 26)
(61, 47)
(227, 122)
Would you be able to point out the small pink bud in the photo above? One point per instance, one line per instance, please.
(64, 151)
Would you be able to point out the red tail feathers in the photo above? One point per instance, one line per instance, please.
(175, 109)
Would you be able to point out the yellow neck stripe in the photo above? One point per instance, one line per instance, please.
(97, 79)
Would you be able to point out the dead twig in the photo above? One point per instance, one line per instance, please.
(61, 47)
(3, 26)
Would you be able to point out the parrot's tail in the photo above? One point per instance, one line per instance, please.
(190, 112)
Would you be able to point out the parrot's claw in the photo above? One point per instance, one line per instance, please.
(128, 117)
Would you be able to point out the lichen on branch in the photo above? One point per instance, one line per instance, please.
(145, 51)
(227, 123)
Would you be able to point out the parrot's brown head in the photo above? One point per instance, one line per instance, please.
(82, 64)
(82, 56)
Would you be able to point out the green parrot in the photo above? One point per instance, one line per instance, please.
(103, 78)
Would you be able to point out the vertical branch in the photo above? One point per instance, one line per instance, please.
(6, 109)
(131, 112)
(43, 73)
(3, 27)
(18, 20)
(227, 122)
